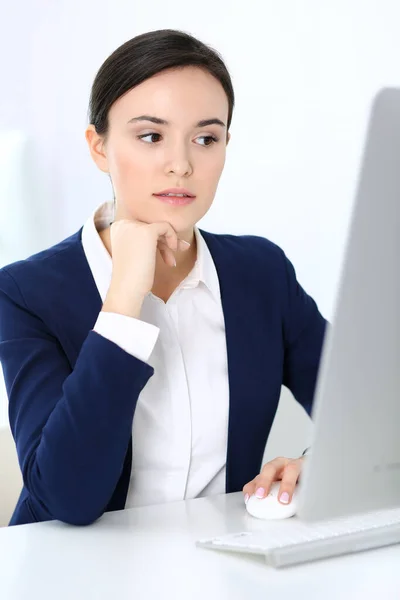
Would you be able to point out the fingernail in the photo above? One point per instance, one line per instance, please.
(260, 493)
(174, 262)
(184, 245)
(246, 498)
(284, 498)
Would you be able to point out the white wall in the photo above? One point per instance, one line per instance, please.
(304, 74)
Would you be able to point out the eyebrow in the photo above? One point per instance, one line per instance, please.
(157, 121)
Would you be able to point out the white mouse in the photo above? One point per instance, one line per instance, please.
(270, 507)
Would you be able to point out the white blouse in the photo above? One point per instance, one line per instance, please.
(180, 427)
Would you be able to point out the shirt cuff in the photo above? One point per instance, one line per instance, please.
(136, 337)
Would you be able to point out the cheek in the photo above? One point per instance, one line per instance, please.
(212, 170)
(126, 164)
(208, 176)
(133, 177)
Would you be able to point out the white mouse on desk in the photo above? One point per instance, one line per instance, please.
(270, 507)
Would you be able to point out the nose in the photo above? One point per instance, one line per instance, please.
(177, 160)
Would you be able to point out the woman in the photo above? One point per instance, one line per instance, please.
(144, 359)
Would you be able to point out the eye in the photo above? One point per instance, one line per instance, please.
(208, 139)
(148, 135)
(211, 139)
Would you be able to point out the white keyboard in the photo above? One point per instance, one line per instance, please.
(292, 541)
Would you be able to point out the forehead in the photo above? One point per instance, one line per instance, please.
(185, 94)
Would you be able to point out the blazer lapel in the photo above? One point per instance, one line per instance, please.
(250, 416)
(81, 299)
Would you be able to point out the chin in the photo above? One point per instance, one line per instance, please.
(182, 225)
(180, 221)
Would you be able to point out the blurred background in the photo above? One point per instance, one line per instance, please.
(305, 73)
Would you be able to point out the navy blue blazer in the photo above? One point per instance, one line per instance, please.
(72, 393)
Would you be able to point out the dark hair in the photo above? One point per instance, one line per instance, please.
(144, 56)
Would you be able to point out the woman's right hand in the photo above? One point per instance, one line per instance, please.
(134, 247)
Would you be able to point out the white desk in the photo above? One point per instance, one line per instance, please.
(149, 553)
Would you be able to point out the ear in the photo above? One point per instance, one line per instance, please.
(96, 147)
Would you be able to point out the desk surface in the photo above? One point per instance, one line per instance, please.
(150, 553)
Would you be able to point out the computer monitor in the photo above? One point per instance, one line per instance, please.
(354, 466)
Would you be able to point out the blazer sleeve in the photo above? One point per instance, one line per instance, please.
(72, 427)
(304, 332)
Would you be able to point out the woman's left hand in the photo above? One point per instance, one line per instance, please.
(285, 469)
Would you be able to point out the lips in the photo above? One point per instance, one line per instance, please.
(175, 200)
(176, 193)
